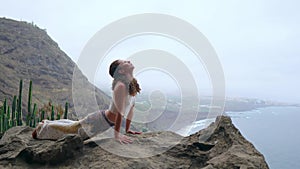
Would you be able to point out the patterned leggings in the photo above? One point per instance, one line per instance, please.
(87, 127)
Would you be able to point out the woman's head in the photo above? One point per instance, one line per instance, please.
(113, 67)
(119, 70)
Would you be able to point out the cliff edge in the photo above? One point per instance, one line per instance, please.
(219, 146)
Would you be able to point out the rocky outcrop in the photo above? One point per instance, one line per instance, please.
(18, 143)
(220, 146)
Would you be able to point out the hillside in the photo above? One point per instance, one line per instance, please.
(28, 53)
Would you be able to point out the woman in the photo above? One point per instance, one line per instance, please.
(124, 87)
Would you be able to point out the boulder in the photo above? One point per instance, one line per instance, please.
(218, 146)
(17, 143)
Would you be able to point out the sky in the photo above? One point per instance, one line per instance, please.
(257, 41)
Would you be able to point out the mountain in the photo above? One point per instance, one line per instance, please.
(28, 53)
(219, 146)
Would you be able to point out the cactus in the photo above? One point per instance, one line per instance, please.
(15, 120)
(28, 117)
(29, 96)
(34, 111)
(1, 120)
(4, 119)
(19, 109)
(57, 116)
(33, 116)
(17, 113)
(12, 116)
(3, 123)
(52, 112)
(34, 121)
(66, 110)
(1, 110)
(8, 118)
(43, 115)
(5, 106)
(10, 123)
(13, 110)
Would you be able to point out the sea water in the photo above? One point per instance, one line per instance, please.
(274, 131)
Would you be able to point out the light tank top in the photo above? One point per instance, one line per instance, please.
(130, 101)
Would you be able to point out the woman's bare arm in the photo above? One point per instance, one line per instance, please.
(119, 101)
(128, 122)
(120, 97)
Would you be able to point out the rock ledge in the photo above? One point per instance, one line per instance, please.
(219, 146)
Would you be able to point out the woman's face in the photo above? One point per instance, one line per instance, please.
(125, 66)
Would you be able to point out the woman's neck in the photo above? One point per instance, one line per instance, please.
(129, 77)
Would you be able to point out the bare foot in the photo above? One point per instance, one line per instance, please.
(34, 134)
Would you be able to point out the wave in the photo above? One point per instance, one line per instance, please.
(195, 126)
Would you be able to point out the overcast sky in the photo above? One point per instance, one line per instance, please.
(257, 41)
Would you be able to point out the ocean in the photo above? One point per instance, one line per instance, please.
(274, 131)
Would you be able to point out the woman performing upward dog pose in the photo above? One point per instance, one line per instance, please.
(124, 87)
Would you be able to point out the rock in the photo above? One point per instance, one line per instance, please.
(17, 142)
(219, 146)
(231, 149)
(13, 142)
(53, 152)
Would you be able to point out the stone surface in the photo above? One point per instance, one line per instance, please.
(18, 143)
(219, 146)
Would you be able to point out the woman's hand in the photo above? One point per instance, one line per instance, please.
(123, 139)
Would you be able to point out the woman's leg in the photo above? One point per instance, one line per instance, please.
(55, 129)
(68, 128)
